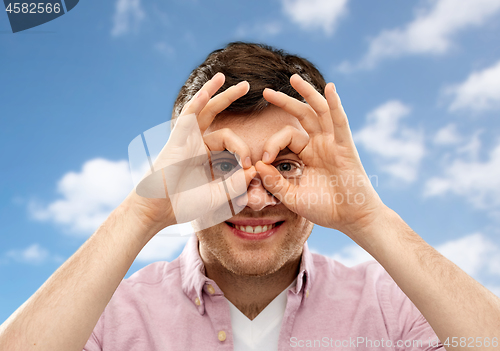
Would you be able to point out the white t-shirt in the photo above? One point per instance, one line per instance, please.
(261, 333)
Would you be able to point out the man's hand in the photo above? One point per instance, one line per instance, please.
(453, 303)
(334, 190)
(180, 188)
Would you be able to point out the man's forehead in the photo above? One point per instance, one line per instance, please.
(225, 119)
(269, 119)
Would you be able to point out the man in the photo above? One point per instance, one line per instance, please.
(249, 281)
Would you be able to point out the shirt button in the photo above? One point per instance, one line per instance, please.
(210, 289)
(197, 301)
(222, 335)
(307, 293)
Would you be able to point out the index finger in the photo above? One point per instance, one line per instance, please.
(209, 88)
(219, 103)
(315, 100)
(296, 140)
(304, 113)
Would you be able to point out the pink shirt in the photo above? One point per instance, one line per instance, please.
(174, 306)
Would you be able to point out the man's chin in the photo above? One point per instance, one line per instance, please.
(251, 258)
(255, 254)
(253, 266)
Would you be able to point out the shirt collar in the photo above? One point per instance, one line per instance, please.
(193, 273)
(194, 278)
(306, 272)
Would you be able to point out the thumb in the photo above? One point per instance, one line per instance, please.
(277, 185)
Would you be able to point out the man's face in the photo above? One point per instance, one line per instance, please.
(258, 255)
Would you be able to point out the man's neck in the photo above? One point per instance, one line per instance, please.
(251, 294)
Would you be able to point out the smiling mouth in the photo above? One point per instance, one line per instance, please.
(255, 229)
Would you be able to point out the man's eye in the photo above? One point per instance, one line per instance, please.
(223, 168)
(285, 167)
(289, 169)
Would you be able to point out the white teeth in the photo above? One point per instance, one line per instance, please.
(256, 229)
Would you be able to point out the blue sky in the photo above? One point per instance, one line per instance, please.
(419, 80)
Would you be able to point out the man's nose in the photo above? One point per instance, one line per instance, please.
(258, 196)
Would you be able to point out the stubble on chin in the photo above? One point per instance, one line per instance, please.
(257, 259)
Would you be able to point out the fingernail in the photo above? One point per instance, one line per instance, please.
(244, 82)
(248, 162)
(266, 157)
(270, 90)
(216, 75)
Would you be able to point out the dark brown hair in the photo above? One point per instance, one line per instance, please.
(261, 65)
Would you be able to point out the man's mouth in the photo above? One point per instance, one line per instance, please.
(255, 229)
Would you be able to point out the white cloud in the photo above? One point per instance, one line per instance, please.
(128, 16)
(34, 254)
(479, 92)
(448, 135)
(399, 149)
(477, 255)
(165, 244)
(430, 32)
(315, 14)
(87, 197)
(471, 149)
(477, 181)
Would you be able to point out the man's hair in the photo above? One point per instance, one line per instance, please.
(261, 65)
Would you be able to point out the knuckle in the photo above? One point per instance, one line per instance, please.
(225, 132)
(210, 110)
(283, 103)
(230, 99)
(342, 123)
(323, 110)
